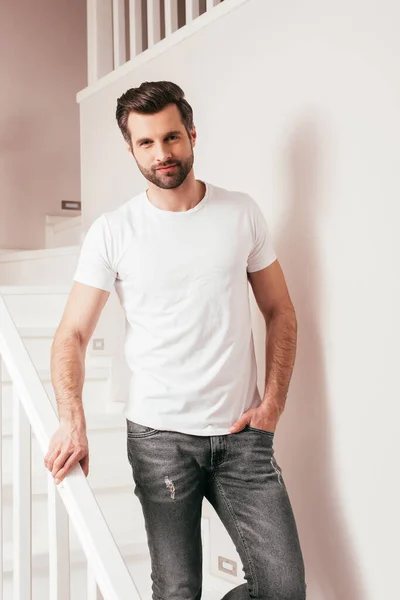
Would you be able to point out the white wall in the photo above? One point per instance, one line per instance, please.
(297, 103)
(43, 65)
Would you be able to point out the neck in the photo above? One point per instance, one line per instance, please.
(179, 199)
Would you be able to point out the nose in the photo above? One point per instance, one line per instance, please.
(162, 153)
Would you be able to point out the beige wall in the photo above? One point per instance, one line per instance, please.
(42, 65)
(298, 104)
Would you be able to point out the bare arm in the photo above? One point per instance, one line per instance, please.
(280, 357)
(68, 351)
(273, 299)
(67, 375)
(69, 443)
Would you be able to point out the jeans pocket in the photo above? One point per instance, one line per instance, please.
(135, 430)
(269, 433)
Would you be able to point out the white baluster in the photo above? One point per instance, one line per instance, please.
(212, 3)
(135, 27)
(59, 563)
(1, 478)
(192, 10)
(22, 510)
(171, 16)
(119, 33)
(153, 22)
(93, 592)
(99, 39)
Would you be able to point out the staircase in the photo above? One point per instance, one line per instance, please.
(36, 310)
(85, 539)
(63, 230)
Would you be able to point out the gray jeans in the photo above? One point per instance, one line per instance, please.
(239, 476)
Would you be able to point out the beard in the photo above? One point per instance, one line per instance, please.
(172, 179)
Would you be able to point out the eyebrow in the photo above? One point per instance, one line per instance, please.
(174, 132)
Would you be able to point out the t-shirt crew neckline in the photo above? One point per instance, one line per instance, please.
(174, 213)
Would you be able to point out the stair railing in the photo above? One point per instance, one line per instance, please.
(73, 498)
(109, 22)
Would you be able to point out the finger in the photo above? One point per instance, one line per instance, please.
(240, 423)
(48, 454)
(61, 460)
(241, 426)
(73, 459)
(50, 458)
(85, 464)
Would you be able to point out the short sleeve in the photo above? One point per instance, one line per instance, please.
(95, 259)
(262, 253)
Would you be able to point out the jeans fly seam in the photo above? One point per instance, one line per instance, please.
(231, 511)
(223, 460)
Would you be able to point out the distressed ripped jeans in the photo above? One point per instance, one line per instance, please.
(239, 476)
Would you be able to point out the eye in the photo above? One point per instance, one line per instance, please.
(172, 136)
(146, 142)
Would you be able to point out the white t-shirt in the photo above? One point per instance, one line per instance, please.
(182, 280)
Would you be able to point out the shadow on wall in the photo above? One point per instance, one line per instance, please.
(332, 572)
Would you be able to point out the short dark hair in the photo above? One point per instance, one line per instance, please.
(149, 98)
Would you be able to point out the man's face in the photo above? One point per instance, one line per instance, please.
(161, 140)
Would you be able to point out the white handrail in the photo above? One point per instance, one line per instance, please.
(110, 571)
(93, 592)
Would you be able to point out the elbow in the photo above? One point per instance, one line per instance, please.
(68, 337)
(284, 312)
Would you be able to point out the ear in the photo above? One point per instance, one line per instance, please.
(193, 135)
(129, 148)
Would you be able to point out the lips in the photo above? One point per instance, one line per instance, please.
(166, 168)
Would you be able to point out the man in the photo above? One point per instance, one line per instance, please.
(180, 255)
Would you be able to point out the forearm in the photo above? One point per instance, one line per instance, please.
(68, 374)
(280, 357)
